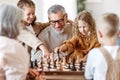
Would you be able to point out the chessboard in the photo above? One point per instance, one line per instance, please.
(61, 69)
(59, 72)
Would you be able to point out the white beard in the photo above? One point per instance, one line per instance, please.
(59, 32)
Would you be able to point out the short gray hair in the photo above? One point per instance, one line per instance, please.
(10, 17)
(56, 8)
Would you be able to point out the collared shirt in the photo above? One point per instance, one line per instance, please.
(96, 66)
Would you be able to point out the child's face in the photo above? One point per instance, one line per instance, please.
(83, 27)
(29, 14)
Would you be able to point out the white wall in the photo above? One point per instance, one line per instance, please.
(43, 5)
(98, 8)
(13, 2)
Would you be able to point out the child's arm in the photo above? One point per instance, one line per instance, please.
(45, 51)
(68, 46)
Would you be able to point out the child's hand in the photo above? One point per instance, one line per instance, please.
(84, 59)
(63, 48)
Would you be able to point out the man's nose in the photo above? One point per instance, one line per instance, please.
(56, 24)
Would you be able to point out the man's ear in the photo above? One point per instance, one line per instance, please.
(66, 17)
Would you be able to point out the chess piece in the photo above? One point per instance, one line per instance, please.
(64, 61)
(81, 65)
(42, 75)
(52, 60)
(48, 64)
(35, 65)
(58, 61)
(70, 60)
(73, 65)
(78, 59)
(41, 62)
(55, 64)
(69, 66)
(60, 66)
(31, 64)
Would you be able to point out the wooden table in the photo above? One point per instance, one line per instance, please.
(64, 75)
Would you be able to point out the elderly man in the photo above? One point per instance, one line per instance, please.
(60, 28)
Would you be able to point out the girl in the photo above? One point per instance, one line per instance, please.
(84, 37)
(14, 59)
(30, 29)
(33, 28)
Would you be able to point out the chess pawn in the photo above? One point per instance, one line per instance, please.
(48, 64)
(60, 66)
(80, 65)
(35, 64)
(41, 59)
(70, 61)
(69, 66)
(42, 75)
(52, 60)
(78, 59)
(32, 64)
(73, 65)
(57, 62)
(64, 61)
(41, 62)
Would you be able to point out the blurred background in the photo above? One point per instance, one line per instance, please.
(73, 7)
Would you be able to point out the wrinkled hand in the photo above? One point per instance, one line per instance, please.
(34, 72)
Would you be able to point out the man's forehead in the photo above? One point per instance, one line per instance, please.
(59, 14)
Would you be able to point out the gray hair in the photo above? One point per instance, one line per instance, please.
(56, 8)
(10, 17)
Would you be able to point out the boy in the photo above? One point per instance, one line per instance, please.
(97, 64)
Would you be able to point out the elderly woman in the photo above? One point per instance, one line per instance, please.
(14, 59)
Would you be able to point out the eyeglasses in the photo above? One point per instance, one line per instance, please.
(60, 21)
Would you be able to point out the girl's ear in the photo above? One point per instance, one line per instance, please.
(100, 34)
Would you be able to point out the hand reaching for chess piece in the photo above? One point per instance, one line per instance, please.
(63, 48)
(84, 59)
(66, 48)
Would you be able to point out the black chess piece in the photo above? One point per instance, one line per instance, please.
(68, 66)
(81, 65)
(31, 64)
(73, 65)
(55, 64)
(49, 65)
(35, 64)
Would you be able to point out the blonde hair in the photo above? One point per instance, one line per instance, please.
(25, 3)
(108, 24)
(86, 17)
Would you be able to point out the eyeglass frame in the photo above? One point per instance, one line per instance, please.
(60, 21)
